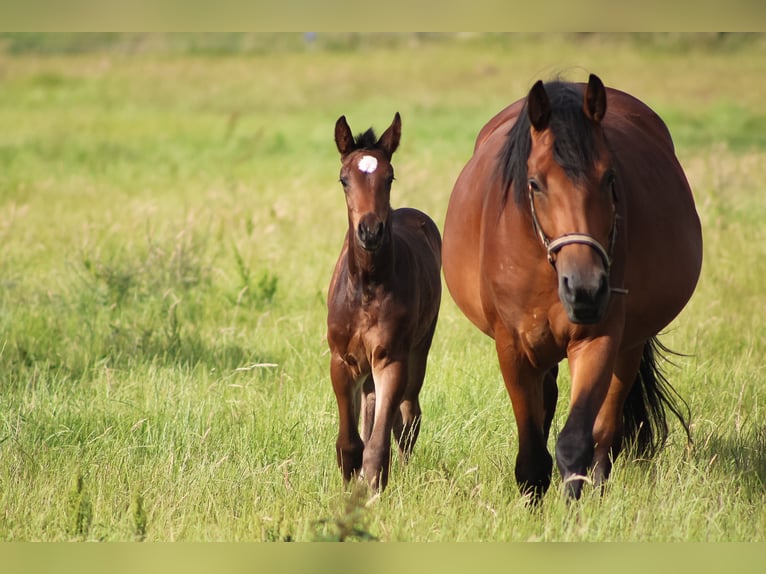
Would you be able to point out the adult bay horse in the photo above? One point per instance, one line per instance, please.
(383, 305)
(572, 232)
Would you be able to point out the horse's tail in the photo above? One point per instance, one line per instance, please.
(645, 410)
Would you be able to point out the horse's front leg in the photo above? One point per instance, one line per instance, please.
(591, 364)
(349, 445)
(609, 427)
(390, 378)
(527, 391)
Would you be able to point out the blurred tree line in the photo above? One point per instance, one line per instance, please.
(247, 43)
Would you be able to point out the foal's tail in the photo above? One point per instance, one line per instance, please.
(644, 413)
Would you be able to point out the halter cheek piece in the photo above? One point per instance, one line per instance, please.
(553, 246)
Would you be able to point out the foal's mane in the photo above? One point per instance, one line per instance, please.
(574, 147)
(366, 140)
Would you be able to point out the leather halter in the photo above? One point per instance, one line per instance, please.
(553, 246)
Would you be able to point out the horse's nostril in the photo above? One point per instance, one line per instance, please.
(603, 287)
(569, 293)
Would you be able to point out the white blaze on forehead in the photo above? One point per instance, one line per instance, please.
(367, 164)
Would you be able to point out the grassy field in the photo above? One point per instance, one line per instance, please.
(169, 219)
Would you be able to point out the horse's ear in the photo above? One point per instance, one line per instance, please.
(344, 139)
(389, 141)
(594, 104)
(538, 106)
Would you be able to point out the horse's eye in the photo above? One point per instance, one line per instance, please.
(534, 185)
(343, 181)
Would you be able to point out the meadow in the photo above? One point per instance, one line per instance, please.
(170, 215)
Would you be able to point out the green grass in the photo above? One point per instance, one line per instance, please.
(169, 219)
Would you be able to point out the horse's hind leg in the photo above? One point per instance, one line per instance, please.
(550, 398)
(367, 408)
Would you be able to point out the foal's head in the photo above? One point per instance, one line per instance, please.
(366, 174)
(557, 160)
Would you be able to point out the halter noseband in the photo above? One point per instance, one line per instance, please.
(553, 246)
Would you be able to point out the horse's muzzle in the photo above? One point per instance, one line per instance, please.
(585, 296)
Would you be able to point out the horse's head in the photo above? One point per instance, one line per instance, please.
(571, 194)
(366, 174)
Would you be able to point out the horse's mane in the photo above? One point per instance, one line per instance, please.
(574, 147)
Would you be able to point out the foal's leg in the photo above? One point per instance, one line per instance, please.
(407, 422)
(390, 381)
(608, 428)
(524, 384)
(349, 445)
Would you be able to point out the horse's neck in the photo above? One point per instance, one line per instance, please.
(370, 269)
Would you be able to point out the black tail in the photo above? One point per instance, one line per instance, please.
(644, 414)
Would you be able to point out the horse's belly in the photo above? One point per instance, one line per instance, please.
(460, 253)
(663, 280)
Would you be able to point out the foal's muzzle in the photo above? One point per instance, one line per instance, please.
(370, 232)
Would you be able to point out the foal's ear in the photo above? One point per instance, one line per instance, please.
(538, 106)
(344, 139)
(594, 104)
(389, 141)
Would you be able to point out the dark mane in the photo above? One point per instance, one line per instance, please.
(366, 140)
(574, 147)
